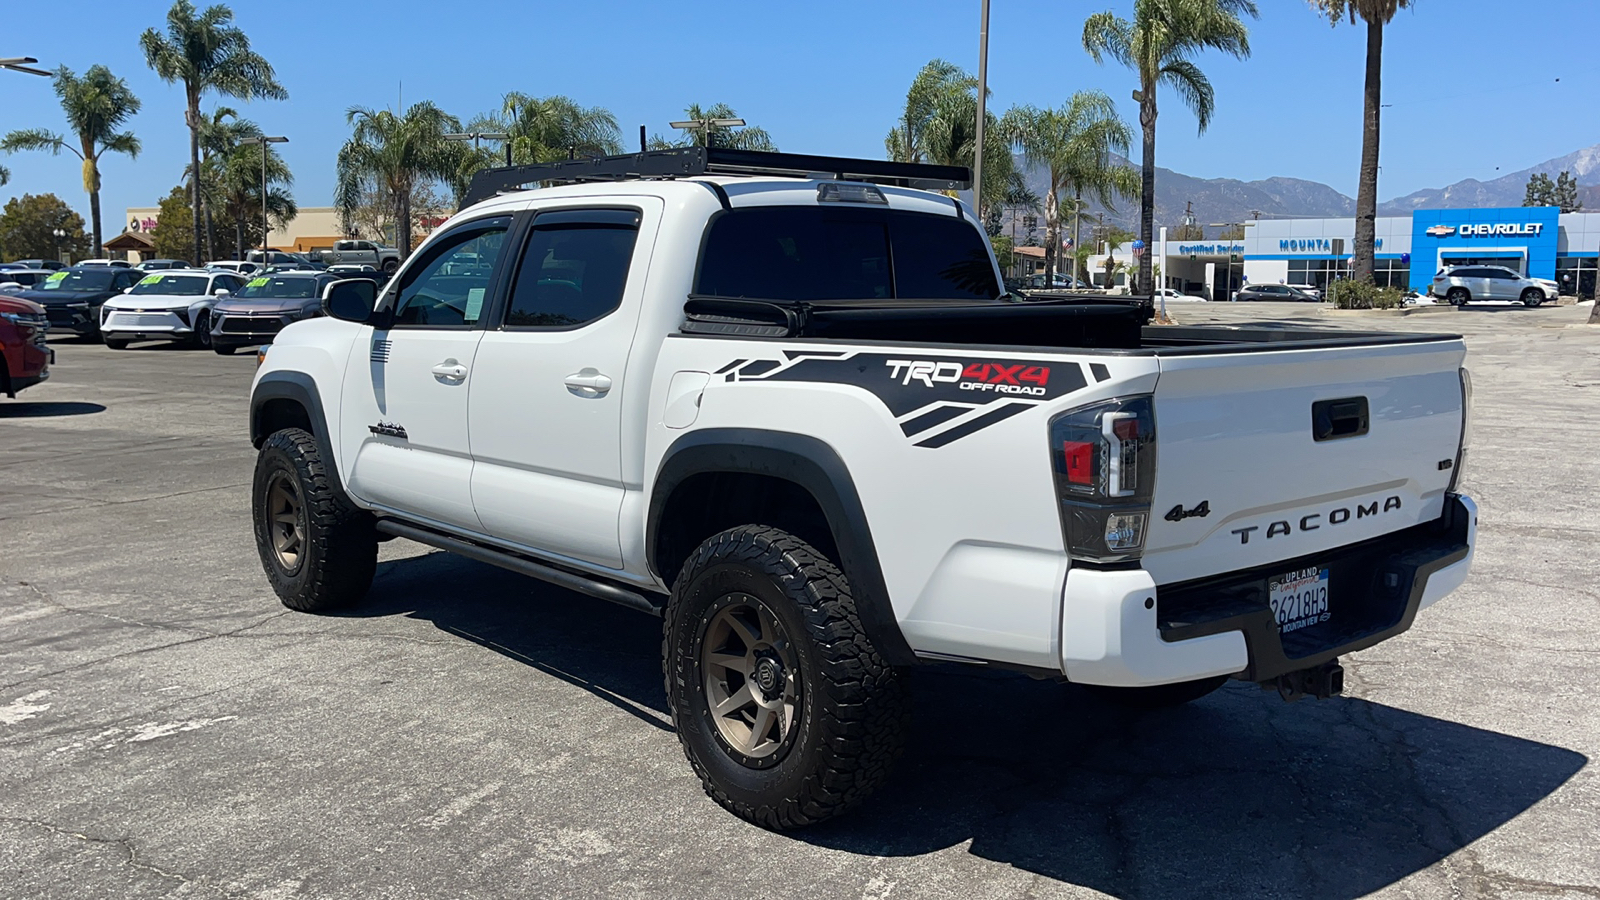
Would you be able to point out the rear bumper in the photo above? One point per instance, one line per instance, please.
(1120, 628)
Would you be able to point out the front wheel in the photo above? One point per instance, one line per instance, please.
(223, 349)
(1158, 696)
(318, 549)
(117, 343)
(390, 265)
(201, 336)
(1532, 297)
(785, 709)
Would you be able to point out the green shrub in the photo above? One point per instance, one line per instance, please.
(1364, 295)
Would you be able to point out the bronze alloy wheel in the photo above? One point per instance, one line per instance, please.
(285, 521)
(752, 683)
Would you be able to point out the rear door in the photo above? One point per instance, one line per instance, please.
(546, 409)
(1297, 451)
(1503, 284)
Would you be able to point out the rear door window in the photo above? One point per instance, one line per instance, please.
(573, 268)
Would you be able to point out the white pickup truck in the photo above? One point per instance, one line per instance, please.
(356, 252)
(783, 402)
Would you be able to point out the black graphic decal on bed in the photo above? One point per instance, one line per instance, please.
(945, 397)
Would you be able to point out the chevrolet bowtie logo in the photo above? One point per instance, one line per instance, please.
(1441, 231)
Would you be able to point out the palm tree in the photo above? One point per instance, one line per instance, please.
(236, 176)
(546, 129)
(208, 54)
(1158, 44)
(1074, 144)
(1376, 13)
(940, 126)
(749, 137)
(220, 133)
(5, 175)
(934, 95)
(395, 153)
(96, 106)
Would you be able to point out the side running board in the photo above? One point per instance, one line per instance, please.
(522, 565)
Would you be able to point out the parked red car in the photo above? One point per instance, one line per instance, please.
(24, 358)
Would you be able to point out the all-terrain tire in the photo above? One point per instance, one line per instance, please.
(337, 543)
(1159, 696)
(852, 709)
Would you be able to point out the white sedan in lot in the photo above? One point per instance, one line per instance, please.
(173, 305)
(1173, 295)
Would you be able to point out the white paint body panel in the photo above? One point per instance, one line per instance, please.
(968, 534)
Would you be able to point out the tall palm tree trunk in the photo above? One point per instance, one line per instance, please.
(1052, 238)
(192, 116)
(94, 219)
(1367, 190)
(1147, 187)
(1077, 232)
(402, 221)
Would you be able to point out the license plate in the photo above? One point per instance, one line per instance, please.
(1299, 599)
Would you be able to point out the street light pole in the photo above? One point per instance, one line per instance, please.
(58, 234)
(19, 64)
(262, 141)
(983, 89)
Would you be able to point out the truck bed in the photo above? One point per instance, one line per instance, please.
(1091, 322)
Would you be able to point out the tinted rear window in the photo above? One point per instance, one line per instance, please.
(822, 253)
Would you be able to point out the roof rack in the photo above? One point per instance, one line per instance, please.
(684, 162)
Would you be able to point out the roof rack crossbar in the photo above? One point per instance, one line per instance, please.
(685, 162)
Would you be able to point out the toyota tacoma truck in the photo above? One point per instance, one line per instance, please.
(783, 402)
(383, 259)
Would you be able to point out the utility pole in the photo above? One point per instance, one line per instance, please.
(983, 89)
(262, 142)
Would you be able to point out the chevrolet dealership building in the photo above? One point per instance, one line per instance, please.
(1538, 241)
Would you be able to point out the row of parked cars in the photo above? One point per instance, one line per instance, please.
(223, 307)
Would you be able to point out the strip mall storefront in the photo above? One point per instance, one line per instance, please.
(1541, 242)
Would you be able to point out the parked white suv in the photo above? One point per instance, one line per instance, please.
(797, 417)
(172, 305)
(1460, 285)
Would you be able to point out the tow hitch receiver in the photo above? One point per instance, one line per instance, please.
(1321, 682)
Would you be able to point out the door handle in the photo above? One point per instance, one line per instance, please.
(588, 382)
(450, 370)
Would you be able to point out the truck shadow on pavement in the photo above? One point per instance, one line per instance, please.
(26, 410)
(1236, 795)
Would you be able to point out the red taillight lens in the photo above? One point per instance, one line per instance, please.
(1079, 457)
(1105, 476)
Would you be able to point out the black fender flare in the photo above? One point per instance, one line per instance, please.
(817, 468)
(299, 388)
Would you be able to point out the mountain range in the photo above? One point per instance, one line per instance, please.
(1229, 200)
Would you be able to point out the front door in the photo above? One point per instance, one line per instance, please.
(546, 414)
(406, 387)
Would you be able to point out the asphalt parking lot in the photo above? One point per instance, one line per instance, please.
(168, 729)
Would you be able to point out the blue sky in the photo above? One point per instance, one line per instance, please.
(828, 76)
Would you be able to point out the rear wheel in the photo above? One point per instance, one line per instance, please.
(785, 709)
(1159, 696)
(318, 549)
(1532, 297)
(1458, 297)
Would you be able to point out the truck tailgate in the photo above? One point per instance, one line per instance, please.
(1247, 475)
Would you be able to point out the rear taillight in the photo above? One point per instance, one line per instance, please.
(1105, 468)
(1466, 429)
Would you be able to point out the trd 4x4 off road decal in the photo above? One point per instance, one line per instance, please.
(949, 397)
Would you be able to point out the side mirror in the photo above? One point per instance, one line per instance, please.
(351, 299)
(220, 292)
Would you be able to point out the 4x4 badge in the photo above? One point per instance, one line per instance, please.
(1178, 513)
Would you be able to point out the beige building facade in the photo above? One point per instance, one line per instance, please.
(315, 228)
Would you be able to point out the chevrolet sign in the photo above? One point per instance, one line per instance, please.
(1441, 231)
(1496, 229)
